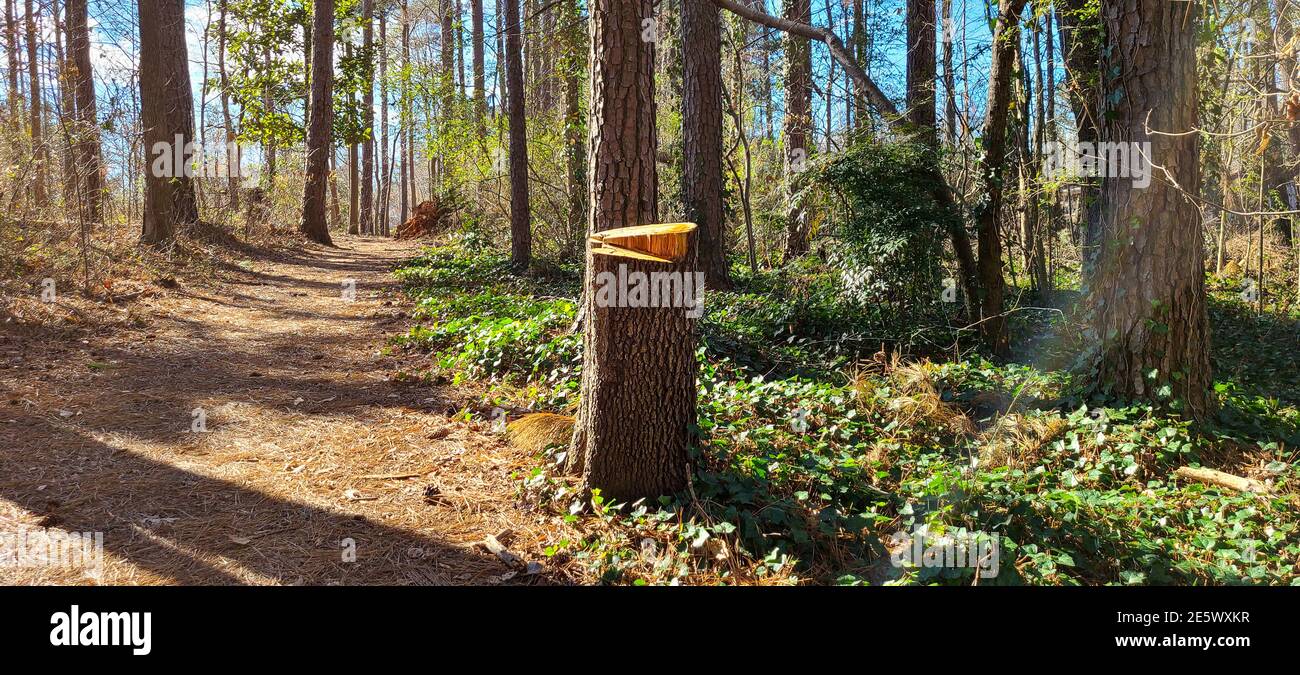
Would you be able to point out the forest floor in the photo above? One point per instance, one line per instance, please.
(313, 451)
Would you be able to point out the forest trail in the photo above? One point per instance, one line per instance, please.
(310, 445)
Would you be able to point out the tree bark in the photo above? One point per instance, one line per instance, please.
(1148, 296)
(367, 223)
(167, 114)
(921, 69)
(949, 78)
(637, 406)
(384, 180)
(1081, 46)
(11, 43)
(480, 80)
(521, 237)
(797, 123)
(1006, 44)
(40, 154)
(319, 144)
(89, 157)
(406, 123)
(702, 136)
(574, 65)
(232, 150)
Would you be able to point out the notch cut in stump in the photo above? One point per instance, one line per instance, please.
(663, 243)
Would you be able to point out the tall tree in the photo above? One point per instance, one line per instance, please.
(367, 224)
(1148, 293)
(11, 53)
(385, 162)
(447, 43)
(89, 157)
(319, 143)
(521, 236)
(921, 69)
(1006, 44)
(476, 28)
(1081, 46)
(797, 123)
(701, 46)
(167, 114)
(232, 150)
(949, 77)
(405, 123)
(354, 166)
(573, 63)
(40, 154)
(637, 404)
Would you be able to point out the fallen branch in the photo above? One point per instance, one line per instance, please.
(389, 476)
(1221, 479)
(942, 192)
(832, 41)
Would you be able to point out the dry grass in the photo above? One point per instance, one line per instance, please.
(534, 433)
(915, 399)
(1017, 440)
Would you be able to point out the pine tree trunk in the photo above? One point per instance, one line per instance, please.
(521, 237)
(11, 43)
(40, 154)
(1081, 47)
(232, 150)
(1148, 293)
(797, 124)
(319, 144)
(367, 224)
(702, 136)
(921, 69)
(637, 406)
(404, 115)
(575, 121)
(89, 157)
(385, 150)
(949, 78)
(66, 113)
(167, 113)
(480, 82)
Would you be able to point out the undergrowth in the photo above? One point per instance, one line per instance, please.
(816, 448)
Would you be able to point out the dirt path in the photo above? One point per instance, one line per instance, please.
(310, 447)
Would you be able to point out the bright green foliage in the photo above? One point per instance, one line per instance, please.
(805, 469)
